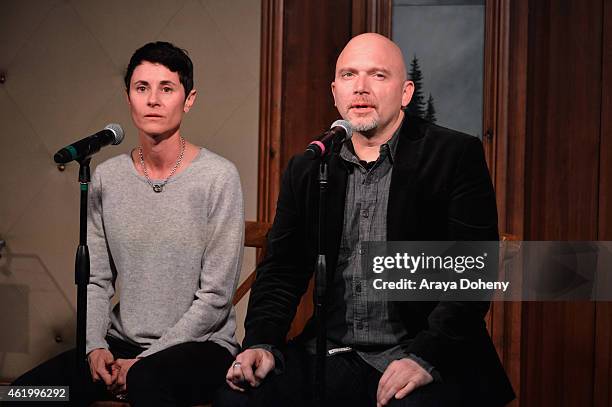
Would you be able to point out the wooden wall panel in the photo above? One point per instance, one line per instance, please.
(315, 33)
(563, 119)
(562, 186)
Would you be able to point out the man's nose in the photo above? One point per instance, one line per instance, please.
(361, 84)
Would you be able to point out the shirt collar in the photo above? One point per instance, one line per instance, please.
(347, 152)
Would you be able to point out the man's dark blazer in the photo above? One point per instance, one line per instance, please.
(440, 190)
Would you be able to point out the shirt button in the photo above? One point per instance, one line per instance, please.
(358, 287)
(365, 213)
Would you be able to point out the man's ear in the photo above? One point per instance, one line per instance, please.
(190, 100)
(407, 92)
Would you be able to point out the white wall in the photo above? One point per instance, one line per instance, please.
(65, 61)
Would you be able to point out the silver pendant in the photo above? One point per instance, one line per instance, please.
(158, 187)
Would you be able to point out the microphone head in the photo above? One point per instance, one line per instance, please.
(345, 125)
(117, 131)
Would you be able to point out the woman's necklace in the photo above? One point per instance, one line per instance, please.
(160, 187)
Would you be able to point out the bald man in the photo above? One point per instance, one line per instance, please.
(401, 179)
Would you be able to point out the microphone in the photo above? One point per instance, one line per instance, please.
(112, 134)
(339, 129)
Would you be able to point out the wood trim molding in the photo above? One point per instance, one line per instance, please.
(372, 16)
(270, 108)
(504, 124)
(496, 91)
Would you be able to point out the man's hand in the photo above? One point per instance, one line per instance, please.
(100, 365)
(251, 366)
(121, 366)
(400, 378)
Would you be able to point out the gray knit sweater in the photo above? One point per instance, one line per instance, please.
(174, 256)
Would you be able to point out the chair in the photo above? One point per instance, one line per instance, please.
(255, 235)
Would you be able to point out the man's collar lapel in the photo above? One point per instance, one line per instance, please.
(401, 209)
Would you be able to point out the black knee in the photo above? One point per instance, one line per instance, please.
(139, 377)
(142, 384)
(227, 397)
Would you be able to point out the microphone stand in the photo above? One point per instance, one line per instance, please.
(322, 277)
(81, 279)
(320, 289)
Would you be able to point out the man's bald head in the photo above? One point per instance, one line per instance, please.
(373, 42)
(370, 86)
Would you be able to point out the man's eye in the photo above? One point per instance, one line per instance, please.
(347, 74)
(167, 90)
(379, 75)
(141, 88)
